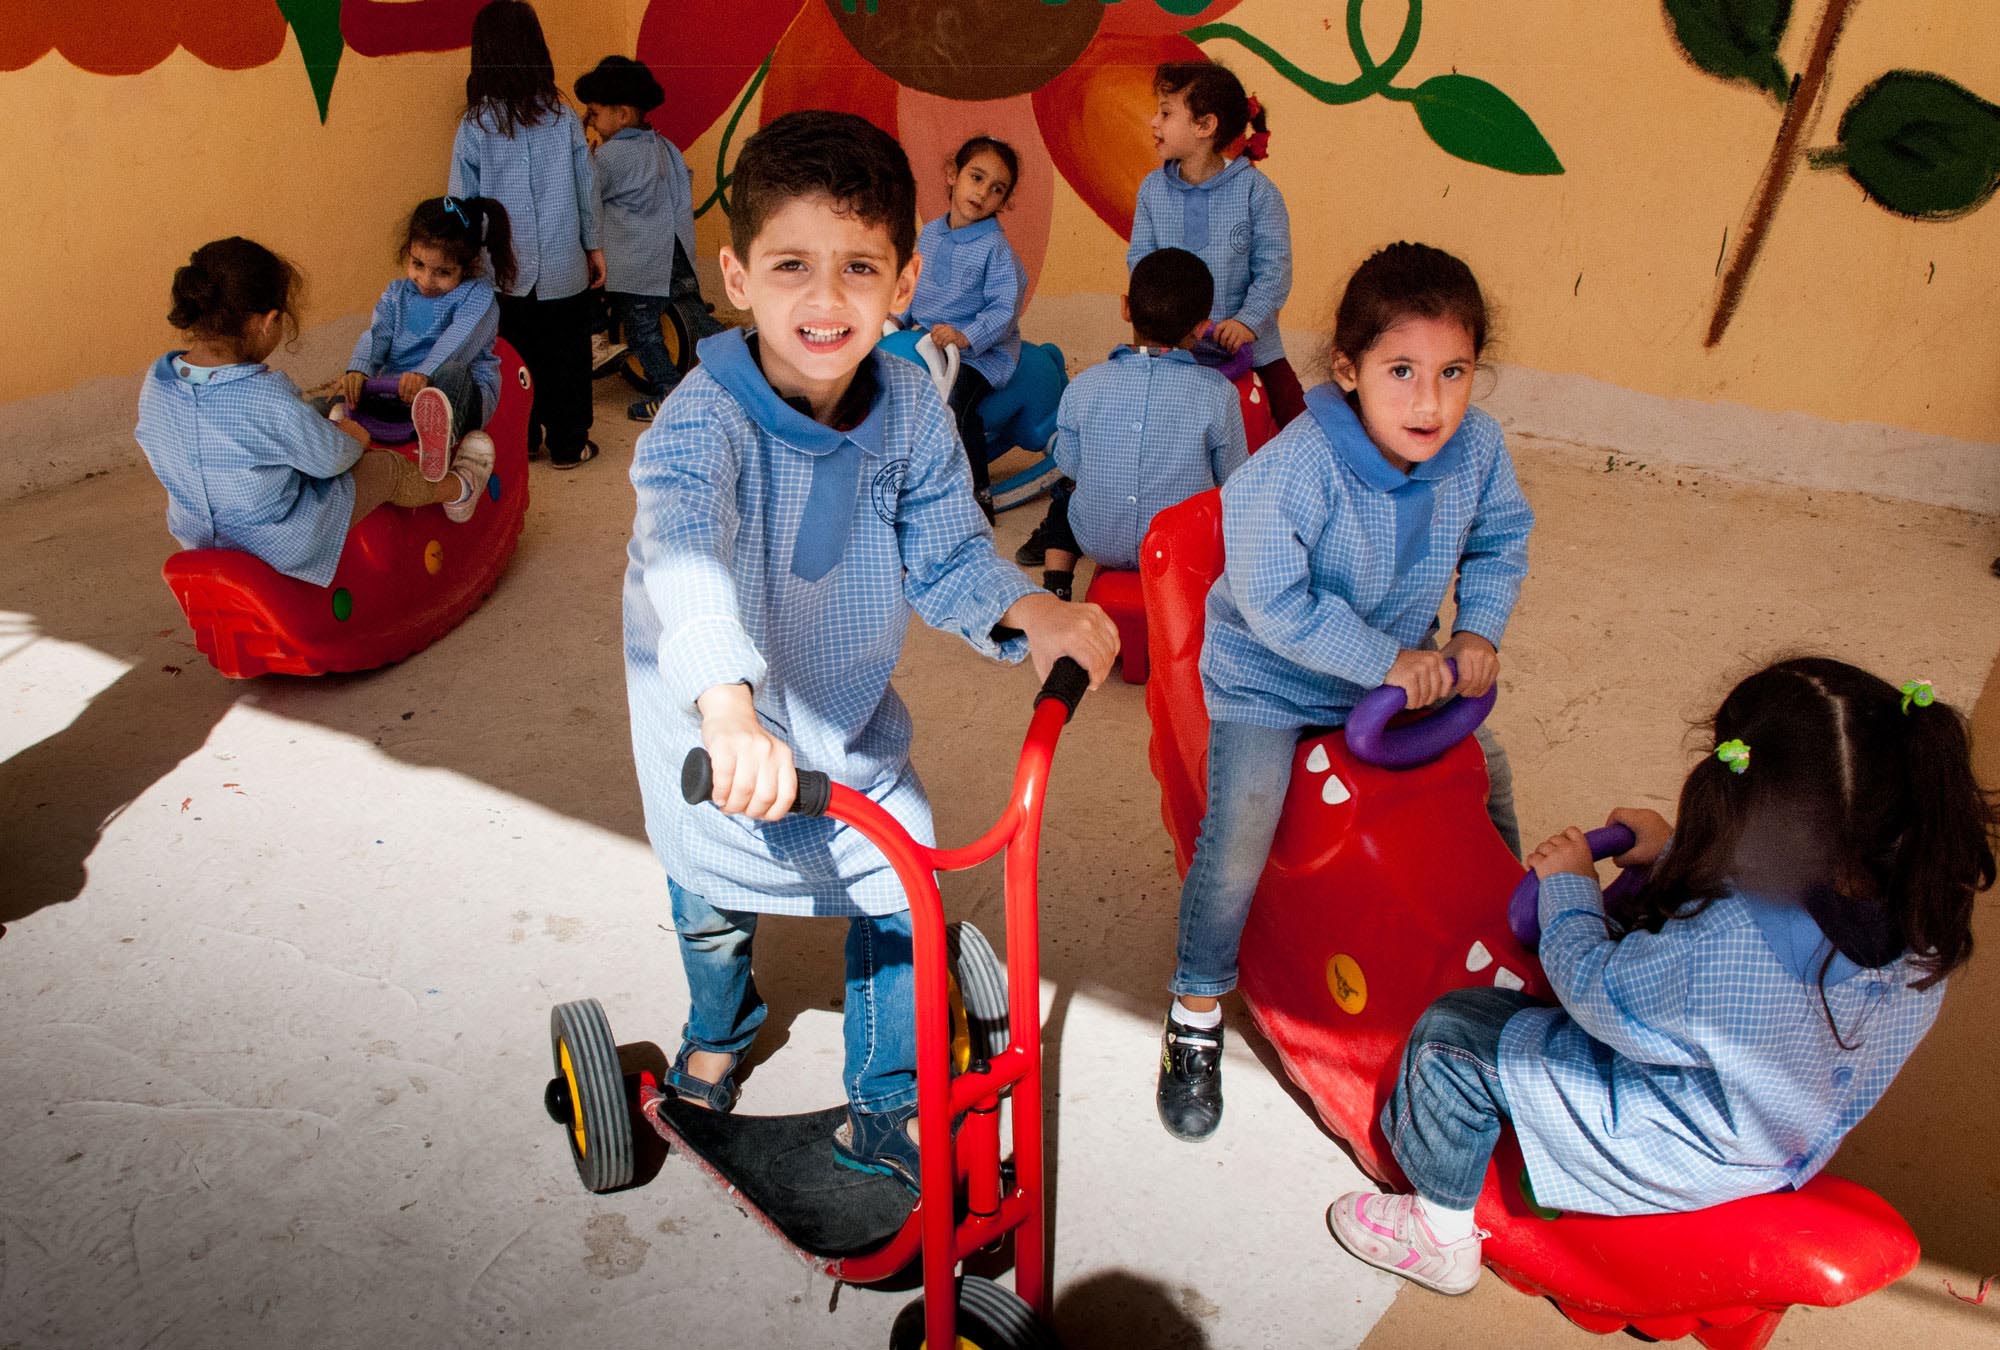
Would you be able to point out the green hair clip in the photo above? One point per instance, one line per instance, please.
(1735, 754)
(1918, 692)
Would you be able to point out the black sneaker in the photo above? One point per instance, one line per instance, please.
(1036, 549)
(1189, 1096)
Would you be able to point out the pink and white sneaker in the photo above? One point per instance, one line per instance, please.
(430, 415)
(1388, 1232)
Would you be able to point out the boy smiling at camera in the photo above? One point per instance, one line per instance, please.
(798, 496)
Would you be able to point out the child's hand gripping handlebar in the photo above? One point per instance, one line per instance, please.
(1524, 913)
(1373, 741)
(1067, 683)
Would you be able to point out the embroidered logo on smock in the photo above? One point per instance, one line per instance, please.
(1239, 236)
(887, 492)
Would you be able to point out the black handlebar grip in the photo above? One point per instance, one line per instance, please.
(698, 785)
(1067, 683)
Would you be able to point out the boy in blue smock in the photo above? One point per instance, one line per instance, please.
(1146, 429)
(797, 497)
(645, 198)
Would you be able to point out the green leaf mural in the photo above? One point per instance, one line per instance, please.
(316, 23)
(1469, 118)
(1735, 39)
(1463, 116)
(1920, 144)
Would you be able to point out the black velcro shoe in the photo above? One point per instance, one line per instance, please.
(1031, 553)
(1189, 1096)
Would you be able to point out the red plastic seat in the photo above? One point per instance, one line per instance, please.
(1119, 594)
(406, 576)
(1385, 889)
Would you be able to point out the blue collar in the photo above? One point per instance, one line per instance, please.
(978, 229)
(631, 133)
(1798, 943)
(1209, 184)
(1339, 424)
(726, 357)
(821, 541)
(1177, 355)
(163, 371)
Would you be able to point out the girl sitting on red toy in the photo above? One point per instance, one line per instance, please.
(246, 463)
(1342, 537)
(1724, 1026)
(434, 328)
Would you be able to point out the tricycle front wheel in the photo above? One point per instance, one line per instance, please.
(989, 1318)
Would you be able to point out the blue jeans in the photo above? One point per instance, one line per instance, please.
(880, 1032)
(1248, 770)
(1445, 1115)
(639, 319)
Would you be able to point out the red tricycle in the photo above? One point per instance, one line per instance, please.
(1386, 887)
(857, 1227)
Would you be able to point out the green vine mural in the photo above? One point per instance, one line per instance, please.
(1916, 143)
(1463, 115)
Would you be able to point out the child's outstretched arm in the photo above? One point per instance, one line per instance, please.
(1494, 560)
(371, 349)
(1145, 229)
(583, 177)
(1633, 994)
(952, 576)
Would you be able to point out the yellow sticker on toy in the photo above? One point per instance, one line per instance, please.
(1345, 981)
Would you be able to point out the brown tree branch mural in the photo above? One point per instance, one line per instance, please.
(1915, 142)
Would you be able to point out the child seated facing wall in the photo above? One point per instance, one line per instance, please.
(246, 464)
(798, 497)
(1146, 429)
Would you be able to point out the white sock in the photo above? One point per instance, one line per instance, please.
(464, 488)
(1446, 1225)
(1200, 1021)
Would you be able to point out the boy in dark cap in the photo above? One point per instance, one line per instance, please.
(646, 200)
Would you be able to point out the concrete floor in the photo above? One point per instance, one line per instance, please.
(278, 956)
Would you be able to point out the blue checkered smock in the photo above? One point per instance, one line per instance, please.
(247, 465)
(772, 550)
(1140, 432)
(1236, 222)
(413, 331)
(1337, 561)
(542, 175)
(1695, 1065)
(972, 281)
(646, 205)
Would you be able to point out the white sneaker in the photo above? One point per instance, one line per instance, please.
(604, 352)
(1388, 1233)
(474, 465)
(430, 415)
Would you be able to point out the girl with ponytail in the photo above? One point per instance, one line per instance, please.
(434, 327)
(1723, 1026)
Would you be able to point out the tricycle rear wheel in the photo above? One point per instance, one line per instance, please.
(989, 1318)
(589, 1089)
(979, 1008)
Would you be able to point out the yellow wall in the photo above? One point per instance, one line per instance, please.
(1607, 271)
(113, 181)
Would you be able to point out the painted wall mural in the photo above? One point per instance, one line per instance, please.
(128, 37)
(1916, 143)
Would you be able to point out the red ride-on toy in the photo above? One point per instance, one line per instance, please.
(407, 576)
(1387, 886)
(853, 1226)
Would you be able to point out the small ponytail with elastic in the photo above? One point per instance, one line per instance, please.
(1945, 853)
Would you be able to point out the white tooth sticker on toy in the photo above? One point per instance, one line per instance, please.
(1478, 958)
(1504, 978)
(1333, 792)
(1317, 760)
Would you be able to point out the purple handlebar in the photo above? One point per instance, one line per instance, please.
(1372, 741)
(382, 386)
(1524, 906)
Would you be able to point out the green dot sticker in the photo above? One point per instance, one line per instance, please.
(1536, 1207)
(343, 604)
